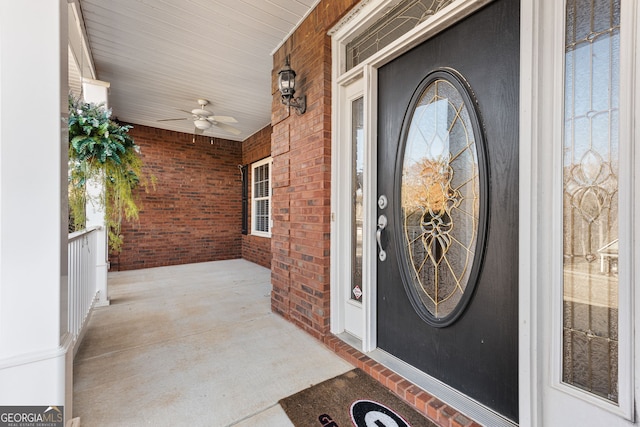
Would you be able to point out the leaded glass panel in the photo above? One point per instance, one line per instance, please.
(357, 169)
(590, 197)
(405, 16)
(440, 199)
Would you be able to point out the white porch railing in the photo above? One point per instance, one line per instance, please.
(83, 292)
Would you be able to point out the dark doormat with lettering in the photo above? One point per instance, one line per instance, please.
(351, 399)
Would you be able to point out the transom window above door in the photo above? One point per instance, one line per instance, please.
(399, 20)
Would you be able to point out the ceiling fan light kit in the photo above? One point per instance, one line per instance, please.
(202, 124)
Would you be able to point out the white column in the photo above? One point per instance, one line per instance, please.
(35, 364)
(96, 91)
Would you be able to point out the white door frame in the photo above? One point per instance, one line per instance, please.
(544, 399)
(365, 74)
(351, 311)
(541, 82)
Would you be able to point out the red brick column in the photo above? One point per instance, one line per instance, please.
(301, 151)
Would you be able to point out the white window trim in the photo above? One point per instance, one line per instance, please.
(540, 266)
(255, 165)
(625, 370)
(353, 314)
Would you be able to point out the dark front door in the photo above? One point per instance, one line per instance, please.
(448, 166)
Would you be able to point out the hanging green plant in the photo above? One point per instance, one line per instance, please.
(100, 148)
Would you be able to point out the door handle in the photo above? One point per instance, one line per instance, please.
(382, 224)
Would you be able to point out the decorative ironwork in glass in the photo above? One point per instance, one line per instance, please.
(590, 205)
(440, 198)
(357, 144)
(405, 16)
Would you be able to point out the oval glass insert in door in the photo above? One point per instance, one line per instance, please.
(443, 197)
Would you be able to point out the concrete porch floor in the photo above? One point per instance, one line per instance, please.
(194, 345)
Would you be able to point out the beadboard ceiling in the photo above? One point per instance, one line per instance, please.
(160, 56)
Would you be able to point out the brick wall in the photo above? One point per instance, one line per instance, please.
(301, 150)
(194, 215)
(257, 147)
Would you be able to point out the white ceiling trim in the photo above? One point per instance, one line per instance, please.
(293, 30)
(160, 56)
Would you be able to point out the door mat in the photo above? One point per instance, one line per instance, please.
(351, 399)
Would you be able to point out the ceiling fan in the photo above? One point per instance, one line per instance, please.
(204, 119)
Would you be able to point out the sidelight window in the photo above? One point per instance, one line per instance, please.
(590, 197)
(357, 191)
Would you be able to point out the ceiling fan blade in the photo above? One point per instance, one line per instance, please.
(169, 120)
(228, 128)
(222, 119)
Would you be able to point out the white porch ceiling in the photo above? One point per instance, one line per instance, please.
(160, 56)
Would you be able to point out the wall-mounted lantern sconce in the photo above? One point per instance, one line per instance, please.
(287, 87)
